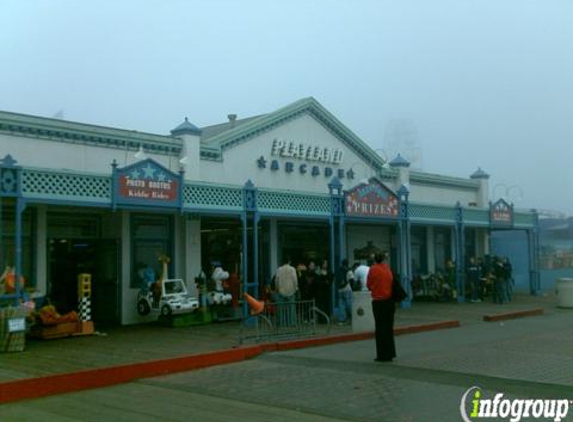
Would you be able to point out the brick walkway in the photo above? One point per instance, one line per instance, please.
(525, 358)
(124, 345)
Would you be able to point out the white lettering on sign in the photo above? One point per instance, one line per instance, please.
(16, 325)
(307, 152)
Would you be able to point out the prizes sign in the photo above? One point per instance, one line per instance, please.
(501, 213)
(147, 183)
(372, 200)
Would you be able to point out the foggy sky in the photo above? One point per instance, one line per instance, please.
(486, 83)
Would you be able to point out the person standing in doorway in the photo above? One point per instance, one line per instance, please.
(380, 285)
(286, 283)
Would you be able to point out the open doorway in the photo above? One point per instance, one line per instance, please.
(67, 258)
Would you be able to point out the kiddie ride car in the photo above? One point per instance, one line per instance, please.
(173, 299)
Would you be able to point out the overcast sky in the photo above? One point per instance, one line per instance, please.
(485, 83)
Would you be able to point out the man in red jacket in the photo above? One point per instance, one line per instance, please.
(380, 285)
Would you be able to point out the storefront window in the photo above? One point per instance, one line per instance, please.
(221, 241)
(8, 241)
(151, 238)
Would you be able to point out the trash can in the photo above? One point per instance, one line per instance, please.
(564, 292)
(362, 317)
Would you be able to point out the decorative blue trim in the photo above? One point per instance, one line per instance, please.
(370, 220)
(145, 209)
(10, 178)
(250, 192)
(212, 211)
(65, 202)
(430, 222)
(293, 216)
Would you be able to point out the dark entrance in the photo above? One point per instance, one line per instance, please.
(69, 257)
(303, 243)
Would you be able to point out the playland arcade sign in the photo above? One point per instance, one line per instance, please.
(310, 155)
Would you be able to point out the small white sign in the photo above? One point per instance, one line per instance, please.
(16, 325)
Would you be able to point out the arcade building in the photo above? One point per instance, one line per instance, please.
(80, 198)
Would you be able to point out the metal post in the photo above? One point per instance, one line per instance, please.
(18, 258)
(409, 273)
(332, 267)
(404, 280)
(405, 247)
(533, 248)
(460, 252)
(341, 238)
(537, 253)
(245, 261)
(255, 284)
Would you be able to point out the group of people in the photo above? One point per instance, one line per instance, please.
(306, 282)
(312, 282)
(309, 282)
(492, 276)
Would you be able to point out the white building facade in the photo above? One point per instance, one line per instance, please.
(78, 198)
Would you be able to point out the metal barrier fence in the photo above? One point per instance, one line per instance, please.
(284, 320)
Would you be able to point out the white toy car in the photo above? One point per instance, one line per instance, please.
(174, 300)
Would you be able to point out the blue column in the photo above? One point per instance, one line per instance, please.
(18, 257)
(332, 265)
(255, 285)
(11, 186)
(245, 262)
(460, 252)
(405, 240)
(409, 272)
(537, 254)
(336, 214)
(250, 209)
(404, 257)
(533, 249)
(342, 238)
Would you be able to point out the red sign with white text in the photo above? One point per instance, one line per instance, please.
(372, 200)
(147, 183)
